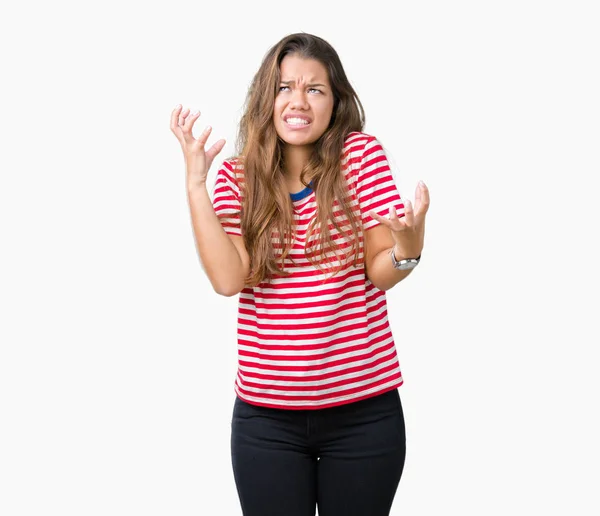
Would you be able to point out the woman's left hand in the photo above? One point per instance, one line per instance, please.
(408, 232)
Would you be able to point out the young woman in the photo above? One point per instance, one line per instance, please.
(307, 226)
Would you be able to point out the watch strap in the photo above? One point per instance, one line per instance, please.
(406, 263)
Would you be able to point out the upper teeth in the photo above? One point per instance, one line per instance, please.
(297, 121)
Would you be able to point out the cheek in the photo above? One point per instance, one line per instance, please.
(277, 107)
(325, 112)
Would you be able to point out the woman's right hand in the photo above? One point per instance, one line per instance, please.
(197, 160)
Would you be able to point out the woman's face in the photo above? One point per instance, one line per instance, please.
(304, 102)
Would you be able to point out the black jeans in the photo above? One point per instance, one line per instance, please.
(348, 460)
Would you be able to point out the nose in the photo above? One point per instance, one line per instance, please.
(298, 99)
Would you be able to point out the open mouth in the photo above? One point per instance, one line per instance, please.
(296, 122)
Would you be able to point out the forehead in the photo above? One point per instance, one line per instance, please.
(294, 68)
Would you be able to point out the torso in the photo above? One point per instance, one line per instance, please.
(312, 340)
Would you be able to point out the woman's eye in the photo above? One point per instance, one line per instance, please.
(281, 88)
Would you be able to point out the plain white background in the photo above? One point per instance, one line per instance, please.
(117, 359)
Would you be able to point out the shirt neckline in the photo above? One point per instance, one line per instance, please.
(302, 194)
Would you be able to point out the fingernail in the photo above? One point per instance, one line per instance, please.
(421, 183)
(177, 106)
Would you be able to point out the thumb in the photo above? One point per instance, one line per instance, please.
(214, 150)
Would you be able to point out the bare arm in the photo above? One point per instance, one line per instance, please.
(405, 235)
(223, 257)
(378, 262)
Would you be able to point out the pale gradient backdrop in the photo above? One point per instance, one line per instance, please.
(117, 359)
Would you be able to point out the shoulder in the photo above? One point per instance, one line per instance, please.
(357, 141)
(357, 145)
(231, 165)
(232, 171)
(357, 150)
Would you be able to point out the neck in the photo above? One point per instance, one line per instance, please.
(295, 157)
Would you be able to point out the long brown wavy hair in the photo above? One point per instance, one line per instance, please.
(266, 211)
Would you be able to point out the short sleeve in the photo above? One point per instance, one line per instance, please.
(375, 187)
(226, 199)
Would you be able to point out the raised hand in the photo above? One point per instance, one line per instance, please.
(197, 160)
(408, 232)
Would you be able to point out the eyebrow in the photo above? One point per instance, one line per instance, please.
(312, 84)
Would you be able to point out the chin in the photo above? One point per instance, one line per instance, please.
(297, 139)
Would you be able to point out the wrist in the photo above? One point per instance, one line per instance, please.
(404, 264)
(195, 187)
(399, 255)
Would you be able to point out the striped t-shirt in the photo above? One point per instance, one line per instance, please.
(310, 341)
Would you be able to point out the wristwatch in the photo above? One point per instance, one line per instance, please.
(403, 265)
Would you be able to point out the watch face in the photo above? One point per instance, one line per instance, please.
(406, 266)
(403, 265)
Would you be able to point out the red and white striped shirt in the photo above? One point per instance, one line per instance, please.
(305, 341)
